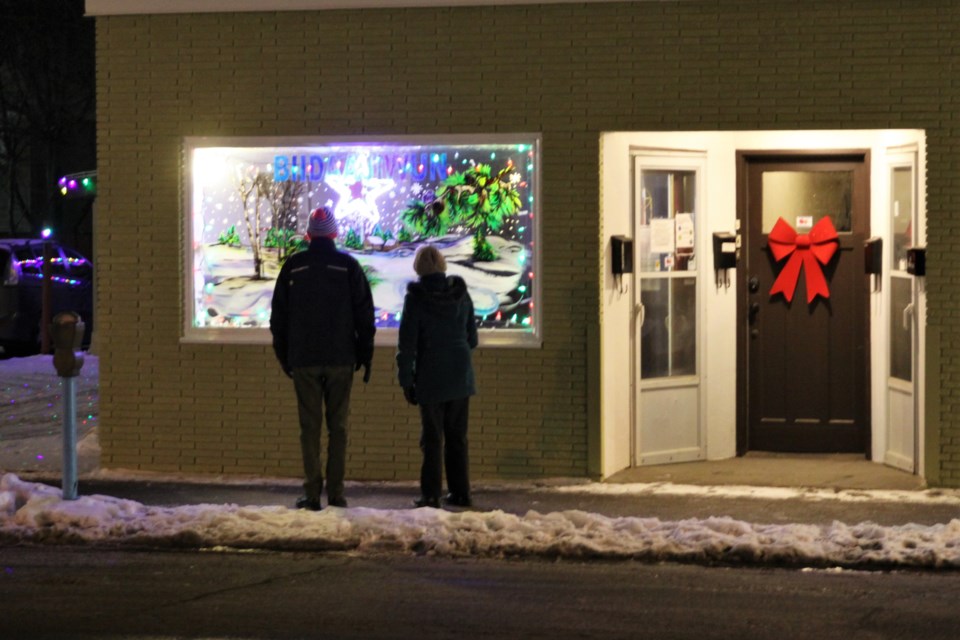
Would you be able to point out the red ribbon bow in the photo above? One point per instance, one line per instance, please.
(803, 249)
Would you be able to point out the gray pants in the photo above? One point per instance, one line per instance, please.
(323, 391)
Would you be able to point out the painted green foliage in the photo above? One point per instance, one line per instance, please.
(353, 239)
(403, 234)
(383, 234)
(427, 219)
(476, 198)
(229, 237)
(286, 241)
(373, 276)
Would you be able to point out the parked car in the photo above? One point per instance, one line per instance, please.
(21, 291)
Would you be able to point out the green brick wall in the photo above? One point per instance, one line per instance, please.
(569, 71)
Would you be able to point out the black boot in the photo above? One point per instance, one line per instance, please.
(458, 500)
(311, 504)
(424, 501)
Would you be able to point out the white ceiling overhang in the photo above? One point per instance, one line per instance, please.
(143, 7)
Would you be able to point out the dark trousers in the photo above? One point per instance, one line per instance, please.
(443, 440)
(323, 392)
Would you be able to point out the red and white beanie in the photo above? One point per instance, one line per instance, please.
(321, 224)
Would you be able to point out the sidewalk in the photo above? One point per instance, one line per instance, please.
(760, 488)
(758, 492)
(665, 501)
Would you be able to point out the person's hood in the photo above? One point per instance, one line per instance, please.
(439, 291)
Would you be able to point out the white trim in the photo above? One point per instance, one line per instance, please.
(145, 7)
(718, 374)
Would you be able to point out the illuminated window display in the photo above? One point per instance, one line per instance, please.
(247, 202)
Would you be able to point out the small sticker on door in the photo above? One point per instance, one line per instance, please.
(804, 222)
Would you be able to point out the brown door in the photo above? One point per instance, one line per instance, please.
(806, 360)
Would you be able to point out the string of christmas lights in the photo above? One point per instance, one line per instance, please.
(78, 184)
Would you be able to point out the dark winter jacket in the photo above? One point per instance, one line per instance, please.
(437, 332)
(322, 309)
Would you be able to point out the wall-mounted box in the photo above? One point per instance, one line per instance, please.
(621, 254)
(724, 250)
(873, 256)
(917, 261)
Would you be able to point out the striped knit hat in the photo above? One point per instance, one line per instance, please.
(321, 224)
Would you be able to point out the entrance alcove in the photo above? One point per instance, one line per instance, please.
(676, 332)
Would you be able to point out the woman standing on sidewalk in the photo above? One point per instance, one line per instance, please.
(435, 369)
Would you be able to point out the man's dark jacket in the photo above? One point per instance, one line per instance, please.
(437, 332)
(322, 309)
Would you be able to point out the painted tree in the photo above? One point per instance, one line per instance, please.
(428, 218)
(481, 200)
(248, 183)
(353, 239)
(283, 199)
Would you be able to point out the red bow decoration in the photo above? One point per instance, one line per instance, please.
(803, 249)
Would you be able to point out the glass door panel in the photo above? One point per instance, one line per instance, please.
(901, 325)
(666, 220)
(668, 335)
(666, 194)
(901, 282)
(902, 216)
(902, 435)
(803, 197)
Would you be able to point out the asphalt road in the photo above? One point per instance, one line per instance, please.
(69, 592)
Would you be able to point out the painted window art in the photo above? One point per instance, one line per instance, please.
(247, 202)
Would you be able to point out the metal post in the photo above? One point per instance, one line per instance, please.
(67, 333)
(69, 438)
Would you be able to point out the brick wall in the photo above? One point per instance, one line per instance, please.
(568, 71)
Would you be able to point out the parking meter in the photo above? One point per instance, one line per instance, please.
(66, 332)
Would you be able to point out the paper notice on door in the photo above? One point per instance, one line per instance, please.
(661, 235)
(685, 232)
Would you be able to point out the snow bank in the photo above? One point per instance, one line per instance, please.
(35, 513)
(929, 496)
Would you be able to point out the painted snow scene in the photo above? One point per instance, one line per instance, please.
(250, 205)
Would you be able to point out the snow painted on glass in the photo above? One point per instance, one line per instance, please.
(474, 202)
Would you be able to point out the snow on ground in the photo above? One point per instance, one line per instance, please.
(930, 496)
(35, 513)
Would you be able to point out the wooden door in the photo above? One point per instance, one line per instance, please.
(803, 354)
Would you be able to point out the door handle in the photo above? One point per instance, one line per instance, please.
(639, 312)
(907, 317)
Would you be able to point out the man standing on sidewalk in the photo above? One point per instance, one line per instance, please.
(322, 323)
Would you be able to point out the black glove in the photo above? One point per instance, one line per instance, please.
(366, 370)
(411, 395)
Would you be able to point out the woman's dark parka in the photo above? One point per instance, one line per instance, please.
(437, 333)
